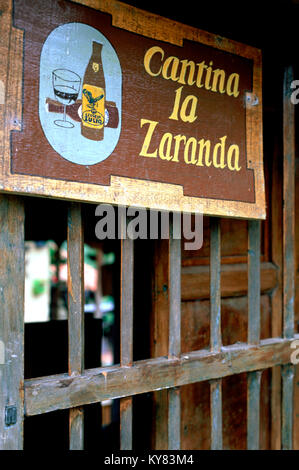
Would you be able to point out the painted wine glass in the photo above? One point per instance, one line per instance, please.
(66, 85)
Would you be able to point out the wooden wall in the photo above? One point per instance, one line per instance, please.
(195, 413)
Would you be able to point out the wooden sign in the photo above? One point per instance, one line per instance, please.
(103, 102)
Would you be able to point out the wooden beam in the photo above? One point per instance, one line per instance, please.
(288, 207)
(288, 253)
(12, 275)
(234, 280)
(254, 284)
(126, 331)
(276, 296)
(287, 372)
(215, 286)
(160, 338)
(75, 287)
(254, 328)
(253, 409)
(174, 341)
(61, 391)
(215, 331)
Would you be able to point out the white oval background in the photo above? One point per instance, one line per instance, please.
(70, 47)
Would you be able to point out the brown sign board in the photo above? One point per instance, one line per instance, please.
(102, 102)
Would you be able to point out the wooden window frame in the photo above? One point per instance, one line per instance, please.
(80, 387)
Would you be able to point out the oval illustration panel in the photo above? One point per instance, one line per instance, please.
(80, 93)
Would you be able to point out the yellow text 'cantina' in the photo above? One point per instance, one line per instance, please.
(187, 72)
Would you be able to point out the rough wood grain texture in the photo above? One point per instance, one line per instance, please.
(288, 254)
(234, 321)
(287, 428)
(254, 328)
(174, 341)
(234, 242)
(76, 428)
(130, 191)
(296, 408)
(254, 285)
(276, 296)
(159, 338)
(195, 426)
(253, 409)
(127, 264)
(215, 286)
(126, 331)
(61, 391)
(5, 28)
(76, 298)
(288, 207)
(296, 378)
(215, 331)
(12, 255)
(216, 414)
(174, 419)
(126, 423)
(75, 284)
(234, 280)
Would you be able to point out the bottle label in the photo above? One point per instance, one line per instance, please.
(93, 106)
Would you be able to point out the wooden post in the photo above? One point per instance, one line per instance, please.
(12, 256)
(75, 248)
(254, 327)
(126, 332)
(288, 254)
(160, 338)
(174, 341)
(215, 331)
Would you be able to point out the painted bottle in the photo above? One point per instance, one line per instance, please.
(93, 96)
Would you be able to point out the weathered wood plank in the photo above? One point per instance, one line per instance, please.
(12, 275)
(234, 280)
(216, 414)
(174, 342)
(215, 330)
(75, 283)
(174, 347)
(126, 312)
(287, 372)
(253, 409)
(215, 287)
(61, 391)
(254, 328)
(76, 428)
(126, 331)
(159, 338)
(288, 206)
(288, 254)
(174, 419)
(138, 192)
(276, 297)
(126, 423)
(254, 285)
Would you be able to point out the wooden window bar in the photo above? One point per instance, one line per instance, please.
(254, 327)
(288, 254)
(215, 331)
(174, 342)
(80, 387)
(12, 275)
(126, 333)
(75, 288)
